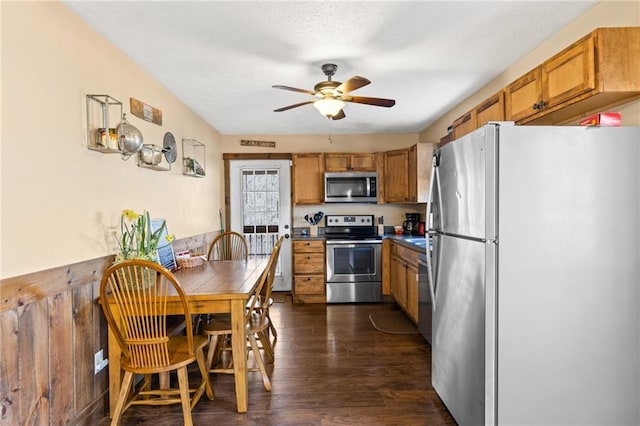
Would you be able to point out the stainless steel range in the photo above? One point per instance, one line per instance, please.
(354, 259)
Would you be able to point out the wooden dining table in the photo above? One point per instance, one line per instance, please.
(215, 287)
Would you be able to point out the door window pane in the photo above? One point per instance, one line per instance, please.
(260, 214)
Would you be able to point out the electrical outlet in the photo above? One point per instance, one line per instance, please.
(99, 362)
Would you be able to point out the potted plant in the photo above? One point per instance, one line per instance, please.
(137, 240)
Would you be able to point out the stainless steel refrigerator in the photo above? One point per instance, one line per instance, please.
(535, 275)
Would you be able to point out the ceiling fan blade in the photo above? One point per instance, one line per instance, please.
(370, 101)
(293, 89)
(293, 106)
(339, 116)
(352, 84)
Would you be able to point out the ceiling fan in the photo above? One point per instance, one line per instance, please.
(331, 96)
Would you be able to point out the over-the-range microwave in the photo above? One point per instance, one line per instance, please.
(351, 187)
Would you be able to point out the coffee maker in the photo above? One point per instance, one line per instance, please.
(410, 225)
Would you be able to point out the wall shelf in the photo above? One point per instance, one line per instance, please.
(193, 158)
(104, 114)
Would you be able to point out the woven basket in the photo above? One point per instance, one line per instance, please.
(190, 262)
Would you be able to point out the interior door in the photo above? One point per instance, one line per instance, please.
(260, 203)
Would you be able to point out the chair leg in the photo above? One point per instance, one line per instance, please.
(258, 357)
(183, 382)
(125, 388)
(213, 343)
(204, 372)
(273, 331)
(266, 345)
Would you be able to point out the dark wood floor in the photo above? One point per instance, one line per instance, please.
(332, 368)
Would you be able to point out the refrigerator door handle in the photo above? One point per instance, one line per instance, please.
(431, 277)
(431, 234)
(429, 200)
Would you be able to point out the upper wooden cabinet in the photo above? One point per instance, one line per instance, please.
(491, 109)
(464, 124)
(568, 74)
(308, 178)
(407, 174)
(350, 162)
(598, 71)
(396, 176)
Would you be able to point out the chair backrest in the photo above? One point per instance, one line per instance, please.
(228, 245)
(138, 289)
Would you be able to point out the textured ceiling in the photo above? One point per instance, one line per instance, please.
(221, 58)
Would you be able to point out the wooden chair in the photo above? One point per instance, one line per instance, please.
(228, 245)
(265, 297)
(257, 325)
(138, 290)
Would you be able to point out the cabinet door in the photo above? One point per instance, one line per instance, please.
(464, 124)
(412, 292)
(412, 169)
(568, 74)
(337, 162)
(363, 162)
(308, 178)
(394, 266)
(490, 110)
(350, 162)
(396, 176)
(522, 96)
(400, 278)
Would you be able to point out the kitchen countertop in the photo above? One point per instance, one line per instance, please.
(411, 241)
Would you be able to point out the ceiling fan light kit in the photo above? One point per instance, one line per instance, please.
(329, 107)
(333, 95)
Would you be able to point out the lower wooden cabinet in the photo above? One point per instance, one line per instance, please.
(404, 279)
(309, 278)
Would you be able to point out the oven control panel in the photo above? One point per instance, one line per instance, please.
(350, 220)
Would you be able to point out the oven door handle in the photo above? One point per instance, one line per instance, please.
(352, 242)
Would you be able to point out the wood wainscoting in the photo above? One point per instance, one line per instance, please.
(50, 328)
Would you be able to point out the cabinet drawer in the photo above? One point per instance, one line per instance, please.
(308, 263)
(313, 284)
(308, 246)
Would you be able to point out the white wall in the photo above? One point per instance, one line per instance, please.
(604, 14)
(59, 200)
